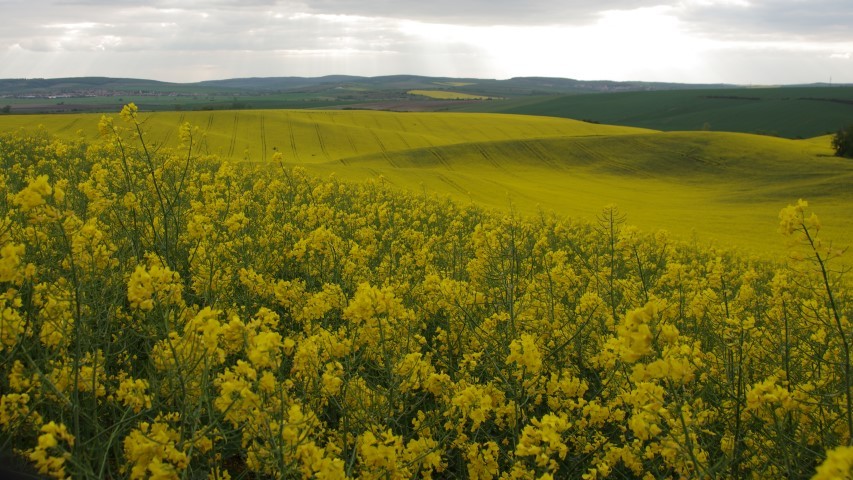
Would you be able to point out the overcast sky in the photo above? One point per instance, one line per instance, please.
(698, 41)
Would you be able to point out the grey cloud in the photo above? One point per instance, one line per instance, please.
(223, 27)
(474, 12)
(481, 12)
(791, 19)
(245, 31)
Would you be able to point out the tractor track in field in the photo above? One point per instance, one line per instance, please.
(292, 138)
(537, 154)
(351, 143)
(263, 139)
(402, 127)
(487, 156)
(233, 143)
(405, 142)
(381, 146)
(591, 155)
(347, 134)
(321, 141)
(451, 183)
(204, 143)
(441, 158)
(168, 137)
(401, 132)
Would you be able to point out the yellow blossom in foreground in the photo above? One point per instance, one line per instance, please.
(10, 261)
(635, 336)
(525, 354)
(542, 439)
(791, 217)
(56, 313)
(11, 323)
(332, 380)
(33, 194)
(264, 350)
(129, 112)
(140, 289)
(133, 394)
(53, 450)
(154, 284)
(482, 460)
(153, 450)
(14, 409)
(379, 455)
(837, 466)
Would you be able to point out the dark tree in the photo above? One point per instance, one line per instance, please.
(6, 109)
(842, 142)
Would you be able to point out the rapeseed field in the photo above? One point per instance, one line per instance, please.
(170, 313)
(733, 182)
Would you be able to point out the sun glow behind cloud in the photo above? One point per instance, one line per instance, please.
(620, 45)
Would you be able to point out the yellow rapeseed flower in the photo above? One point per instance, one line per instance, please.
(129, 112)
(837, 466)
(10, 262)
(133, 394)
(53, 450)
(33, 194)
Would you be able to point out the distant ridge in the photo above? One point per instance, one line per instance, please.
(793, 111)
(532, 85)
(515, 85)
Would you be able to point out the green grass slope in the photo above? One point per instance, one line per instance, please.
(726, 188)
(721, 187)
(319, 136)
(790, 112)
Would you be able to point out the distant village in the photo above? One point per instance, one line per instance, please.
(91, 93)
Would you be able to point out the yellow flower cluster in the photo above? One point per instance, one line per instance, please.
(33, 195)
(155, 450)
(12, 325)
(134, 394)
(154, 285)
(837, 466)
(53, 450)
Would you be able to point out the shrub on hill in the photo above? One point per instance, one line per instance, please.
(842, 142)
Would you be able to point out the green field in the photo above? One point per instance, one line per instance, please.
(312, 137)
(724, 188)
(788, 112)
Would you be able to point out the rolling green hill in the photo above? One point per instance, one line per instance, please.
(320, 136)
(793, 112)
(725, 188)
(721, 187)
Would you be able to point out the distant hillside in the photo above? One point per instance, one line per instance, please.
(37, 86)
(511, 87)
(792, 112)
